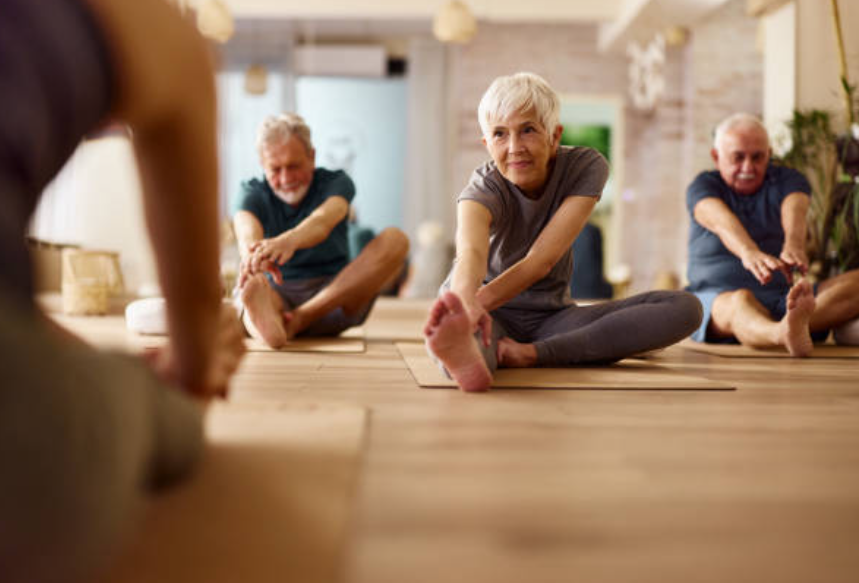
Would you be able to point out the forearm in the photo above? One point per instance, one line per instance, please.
(736, 239)
(307, 234)
(181, 208)
(554, 242)
(715, 216)
(793, 217)
(468, 273)
(519, 277)
(248, 231)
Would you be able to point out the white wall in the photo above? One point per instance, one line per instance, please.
(817, 58)
(780, 60)
(95, 202)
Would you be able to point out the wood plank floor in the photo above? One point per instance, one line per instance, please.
(760, 484)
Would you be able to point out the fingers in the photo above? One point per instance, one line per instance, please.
(271, 269)
(229, 351)
(452, 302)
(486, 329)
(436, 313)
(762, 267)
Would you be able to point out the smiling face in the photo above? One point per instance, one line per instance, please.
(741, 158)
(288, 167)
(523, 150)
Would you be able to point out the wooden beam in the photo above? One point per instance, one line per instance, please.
(758, 8)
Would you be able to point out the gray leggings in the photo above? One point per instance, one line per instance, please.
(600, 333)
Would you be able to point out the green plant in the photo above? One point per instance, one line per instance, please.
(827, 159)
(830, 161)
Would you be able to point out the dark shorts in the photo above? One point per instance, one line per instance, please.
(297, 291)
(774, 301)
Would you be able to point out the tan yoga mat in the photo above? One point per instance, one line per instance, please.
(269, 502)
(739, 351)
(624, 375)
(351, 342)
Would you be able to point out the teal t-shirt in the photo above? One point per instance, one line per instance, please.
(276, 216)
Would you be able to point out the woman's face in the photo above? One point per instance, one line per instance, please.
(522, 149)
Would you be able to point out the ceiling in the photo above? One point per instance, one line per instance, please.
(620, 21)
(495, 10)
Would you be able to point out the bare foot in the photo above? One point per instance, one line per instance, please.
(449, 336)
(293, 323)
(264, 312)
(794, 333)
(512, 354)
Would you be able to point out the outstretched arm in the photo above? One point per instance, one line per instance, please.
(794, 209)
(308, 233)
(472, 254)
(555, 239)
(165, 92)
(249, 232)
(714, 215)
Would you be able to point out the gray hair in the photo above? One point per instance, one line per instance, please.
(737, 120)
(516, 93)
(280, 128)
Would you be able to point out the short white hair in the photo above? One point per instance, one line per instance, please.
(517, 93)
(736, 121)
(278, 129)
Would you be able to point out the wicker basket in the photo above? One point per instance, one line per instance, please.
(89, 279)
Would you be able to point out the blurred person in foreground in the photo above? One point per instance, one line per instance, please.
(85, 435)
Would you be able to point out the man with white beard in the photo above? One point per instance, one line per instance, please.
(296, 278)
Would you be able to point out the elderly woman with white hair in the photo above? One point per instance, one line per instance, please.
(506, 302)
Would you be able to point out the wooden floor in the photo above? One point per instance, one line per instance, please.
(760, 484)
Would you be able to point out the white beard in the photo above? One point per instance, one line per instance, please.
(292, 197)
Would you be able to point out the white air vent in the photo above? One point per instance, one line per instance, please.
(341, 61)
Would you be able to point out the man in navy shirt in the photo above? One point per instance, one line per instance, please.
(296, 277)
(747, 239)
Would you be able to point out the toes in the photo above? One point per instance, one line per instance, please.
(452, 302)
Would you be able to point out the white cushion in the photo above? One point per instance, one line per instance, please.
(147, 316)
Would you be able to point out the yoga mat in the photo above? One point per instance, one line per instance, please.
(269, 502)
(351, 341)
(740, 351)
(623, 375)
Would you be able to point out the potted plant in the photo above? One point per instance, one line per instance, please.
(830, 161)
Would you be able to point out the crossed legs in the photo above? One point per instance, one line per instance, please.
(351, 290)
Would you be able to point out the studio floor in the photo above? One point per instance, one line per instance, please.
(757, 484)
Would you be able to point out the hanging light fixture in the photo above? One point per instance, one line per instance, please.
(215, 21)
(454, 23)
(256, 80)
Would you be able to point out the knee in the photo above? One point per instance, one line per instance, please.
(394, 242)
(691, 310)
(742, 296)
